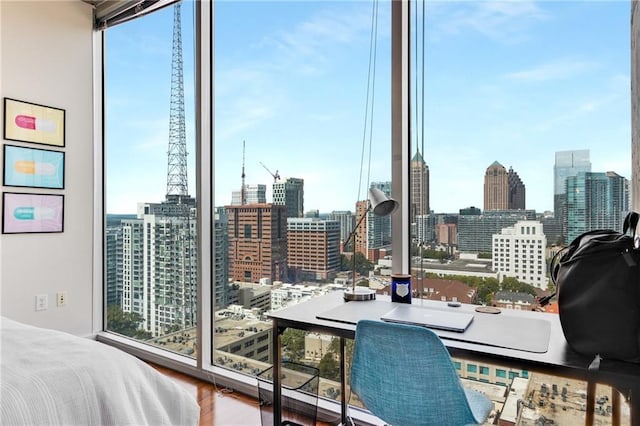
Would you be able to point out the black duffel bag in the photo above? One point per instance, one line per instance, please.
(597, 280)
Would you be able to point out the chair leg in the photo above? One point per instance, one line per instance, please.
(615, 407)
(343, 382)
(591, 402)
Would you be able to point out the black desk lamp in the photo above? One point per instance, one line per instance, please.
(381, 205)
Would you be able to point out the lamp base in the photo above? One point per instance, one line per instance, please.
(360, 294)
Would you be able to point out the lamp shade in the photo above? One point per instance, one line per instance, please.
(381, 205)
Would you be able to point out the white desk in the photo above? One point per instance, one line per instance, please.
(558, 360)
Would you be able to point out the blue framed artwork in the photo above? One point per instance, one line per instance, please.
(35, 168)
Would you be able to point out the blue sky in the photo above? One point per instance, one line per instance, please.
(512, 82)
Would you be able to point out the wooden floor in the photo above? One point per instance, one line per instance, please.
(220, 407)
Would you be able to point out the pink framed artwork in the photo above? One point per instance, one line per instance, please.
(32, 213)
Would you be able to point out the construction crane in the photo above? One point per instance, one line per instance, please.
(275, 175)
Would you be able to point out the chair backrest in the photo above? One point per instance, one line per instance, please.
(404, 375)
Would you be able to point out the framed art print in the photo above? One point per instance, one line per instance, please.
(27, 122)
(35, 168)
(29, 213)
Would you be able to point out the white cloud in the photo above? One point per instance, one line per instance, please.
(306, 46)
(502, 21)
(560, 69)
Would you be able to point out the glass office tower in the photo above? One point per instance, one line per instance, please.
(568, 163)
(596, 201)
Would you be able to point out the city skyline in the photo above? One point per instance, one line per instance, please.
(527, 78)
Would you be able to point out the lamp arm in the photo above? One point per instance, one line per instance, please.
(355, 229)
(353, 256)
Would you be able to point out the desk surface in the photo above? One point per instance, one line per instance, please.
(559, 359)
(486, 328)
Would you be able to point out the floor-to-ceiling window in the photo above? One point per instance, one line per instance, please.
(521, 137)
(302, 131)
(150, 203)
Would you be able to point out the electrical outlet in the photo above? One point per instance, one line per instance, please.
(42, 302)
(61, 298)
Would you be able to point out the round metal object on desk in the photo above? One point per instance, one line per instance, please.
(488, 310)
(359, 294)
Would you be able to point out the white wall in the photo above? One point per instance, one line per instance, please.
(46, 57)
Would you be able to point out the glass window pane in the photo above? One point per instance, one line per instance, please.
(302, 131)
(521, 113)
(149, 179)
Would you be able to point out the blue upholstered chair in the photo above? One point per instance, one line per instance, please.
(404, 375)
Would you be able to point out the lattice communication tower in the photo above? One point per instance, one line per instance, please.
(177, 184)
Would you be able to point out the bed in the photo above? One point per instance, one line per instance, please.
(49, 377)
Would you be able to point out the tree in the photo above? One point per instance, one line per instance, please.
(434, 254)
(329, 368)
(293, 343)
(486, 289)
(334, 349)
(126, 323)
(363, 266)
(512, 284)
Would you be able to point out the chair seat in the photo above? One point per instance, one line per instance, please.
(479, 404)
(404, 375)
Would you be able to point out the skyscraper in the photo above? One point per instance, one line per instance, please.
(595, 201)
(313, 247)
(360, 237)
(419, 186)
(254, 194)
(221, 256)
(519, 251)
(425, 227)
(113, 265)
(158, 269)
(290, 193)
(568, 163)
(475, 230)
(257, 242)
(346, 220)
(159, 265)
(496, 187)
(517, 192)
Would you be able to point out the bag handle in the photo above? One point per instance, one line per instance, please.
(554, 265)
(544, 301)
(630, 223)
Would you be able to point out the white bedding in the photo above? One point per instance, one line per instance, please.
(49, 377)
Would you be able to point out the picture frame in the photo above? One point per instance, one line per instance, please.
(29, 122)
(32, 213)
(33, 168)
